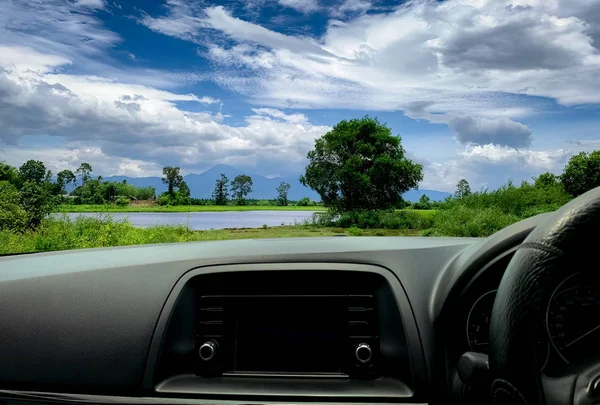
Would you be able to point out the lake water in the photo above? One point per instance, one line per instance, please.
(207, 220)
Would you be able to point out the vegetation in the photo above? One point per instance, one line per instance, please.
(306, 202)
(241, 186)
(463, 189)
(582, 173)
(84, 171)
(358, 168)
(360, 165)
(64, 234)
(221, 193)
(282, 193)
(26, 195)
(173, 179)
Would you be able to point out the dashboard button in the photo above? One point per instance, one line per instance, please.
(363, 353)
(208, 350)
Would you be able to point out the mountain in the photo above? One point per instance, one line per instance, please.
(202, 185)
(434, 195)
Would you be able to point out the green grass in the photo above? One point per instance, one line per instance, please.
(181, 208)
(425, 213)
(64, 234)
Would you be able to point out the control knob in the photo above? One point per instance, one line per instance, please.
(208, 350)
(363, 353)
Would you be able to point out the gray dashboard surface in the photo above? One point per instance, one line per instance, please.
(82, 321)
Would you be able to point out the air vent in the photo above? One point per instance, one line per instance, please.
(361, 317)
(211, 318)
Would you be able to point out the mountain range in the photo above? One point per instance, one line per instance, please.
(202, 185)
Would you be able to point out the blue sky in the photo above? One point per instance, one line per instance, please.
(479, 89)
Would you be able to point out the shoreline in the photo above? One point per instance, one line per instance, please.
(180, 208)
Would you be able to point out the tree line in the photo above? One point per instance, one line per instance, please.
(29, 193)
(178, 192)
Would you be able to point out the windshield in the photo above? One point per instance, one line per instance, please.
(129, 122)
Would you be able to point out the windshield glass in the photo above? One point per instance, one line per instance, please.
(129, 122)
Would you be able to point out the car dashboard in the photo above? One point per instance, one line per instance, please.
(336, 320)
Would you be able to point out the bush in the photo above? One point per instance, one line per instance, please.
(404, 219)
(165, 199)
(424, 203)
(354, 231)
(201, 201)
(37, 203)
(303, 202)
(122, 201)
(466, 221)
(12, 215)
(523, 201)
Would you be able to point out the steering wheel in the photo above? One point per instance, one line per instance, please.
(563, 244)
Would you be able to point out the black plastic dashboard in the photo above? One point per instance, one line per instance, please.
(117, 325)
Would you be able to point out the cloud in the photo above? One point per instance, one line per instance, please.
(303, 6)
(273, 112)
(483, 131)
(135, 123)
(350, 7)
(67, 29)
(93, 4)
(57, 159)
(461, 58)
(70, 33)
(490, 166)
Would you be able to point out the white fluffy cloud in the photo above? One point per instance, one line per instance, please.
(492, 165)
(467, 61)
(139, 126)
(57, 159)
(464, 63)
(303, 6)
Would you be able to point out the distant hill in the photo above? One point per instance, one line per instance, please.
(434, 195)
(202, 185)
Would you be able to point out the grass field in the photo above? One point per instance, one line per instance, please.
(62, 234)
(181, 208)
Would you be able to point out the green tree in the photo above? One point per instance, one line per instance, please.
(424, 203)
(241, 186)
(221, 192)
(64, 178)
(37, 202)
(546, 180)
(32, 171)
(463, 189)
(12, 215)
(282, 193)
(172, 178)
(183, 194)
(582, 173)
(359, 164)
(84, 170)
(110, 192)
(10, 174)
(303, 202)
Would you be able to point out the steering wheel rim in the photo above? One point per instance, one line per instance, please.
(553, 251)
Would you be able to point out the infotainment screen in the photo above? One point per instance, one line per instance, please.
(291, 334)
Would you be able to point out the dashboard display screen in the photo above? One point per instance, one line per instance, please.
(291, 335)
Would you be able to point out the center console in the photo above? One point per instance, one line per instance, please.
(327, 331)
(297, 335)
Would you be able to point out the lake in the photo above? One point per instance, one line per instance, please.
(206, 220)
